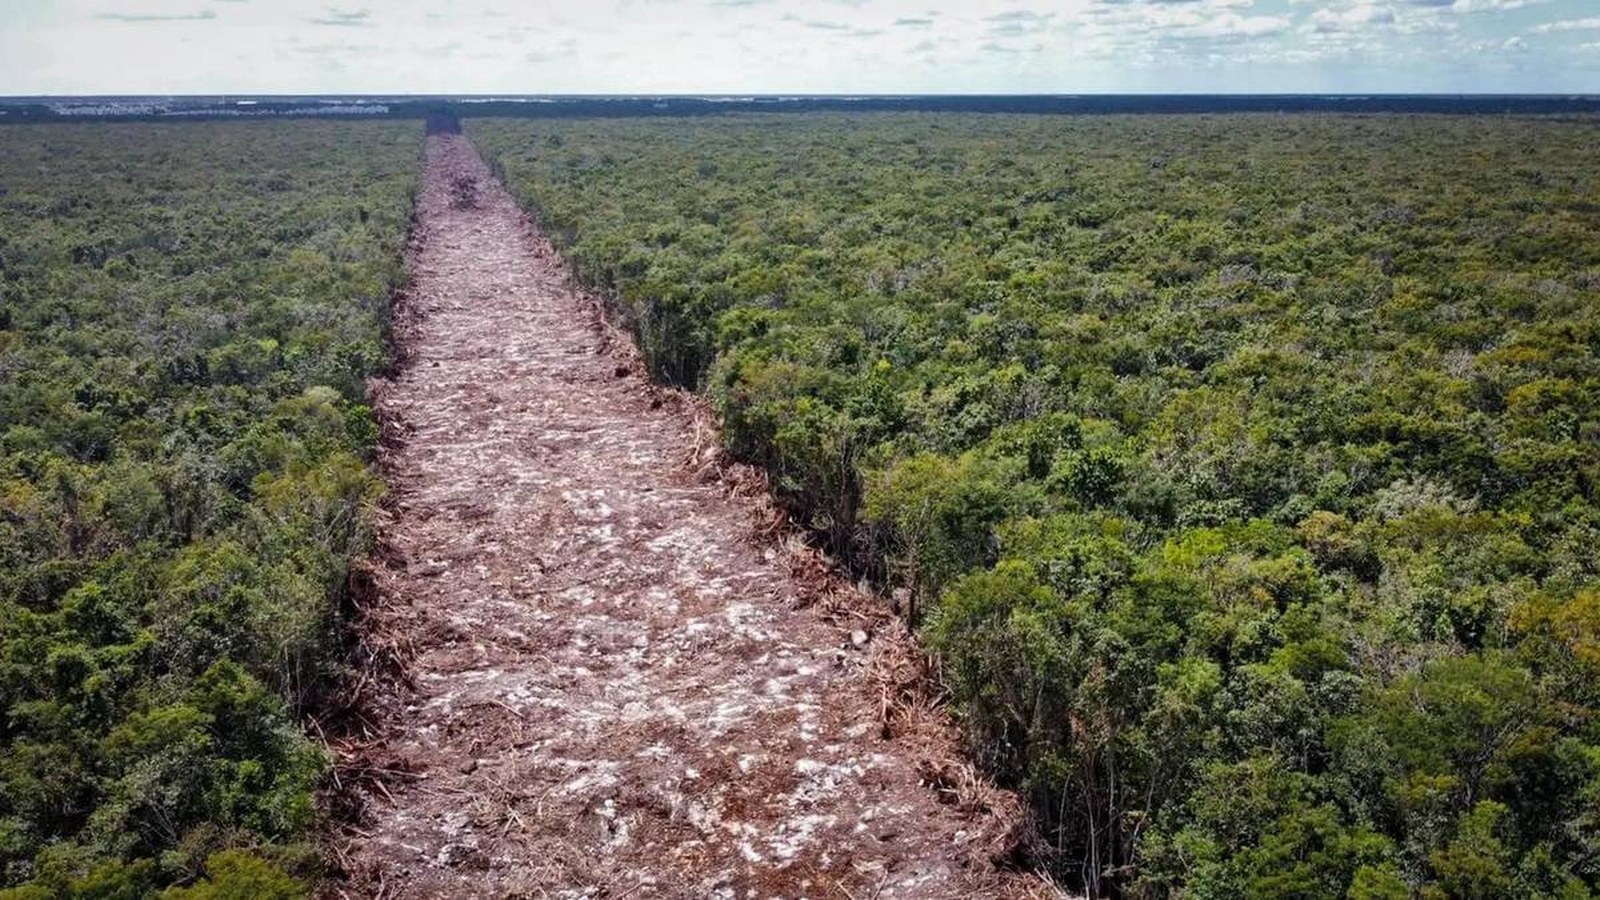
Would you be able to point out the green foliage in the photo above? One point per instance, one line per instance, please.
(187, 316)
(942, 512)
(1243, 468)
(234, 873)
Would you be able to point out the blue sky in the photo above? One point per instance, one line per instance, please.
(841, 46)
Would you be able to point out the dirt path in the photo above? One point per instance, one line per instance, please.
(615, 691)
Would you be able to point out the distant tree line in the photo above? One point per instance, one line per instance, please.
(137, 109)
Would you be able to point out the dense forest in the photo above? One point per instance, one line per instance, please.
(187, 316)
(1239, 470)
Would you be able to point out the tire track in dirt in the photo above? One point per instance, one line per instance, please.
(613, 689)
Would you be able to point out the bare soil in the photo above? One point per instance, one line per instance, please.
(600, 669)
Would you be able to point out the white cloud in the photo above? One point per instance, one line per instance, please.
(1355, 18)
(1492, 5)
(1567, 25)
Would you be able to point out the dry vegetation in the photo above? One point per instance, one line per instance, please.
(623, 672)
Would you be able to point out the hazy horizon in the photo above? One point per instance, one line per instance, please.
(513, 96)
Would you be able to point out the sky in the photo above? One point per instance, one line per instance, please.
(814, 46)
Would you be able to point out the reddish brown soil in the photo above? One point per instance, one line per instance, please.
(614, 688)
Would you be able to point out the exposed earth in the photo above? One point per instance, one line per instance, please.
(613, 674)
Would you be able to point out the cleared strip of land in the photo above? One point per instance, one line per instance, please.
(615, 690)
